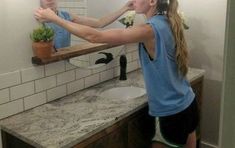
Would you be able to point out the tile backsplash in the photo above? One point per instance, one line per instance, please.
(27, 88)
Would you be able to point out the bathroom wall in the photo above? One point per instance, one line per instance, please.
(99, 11)
(206, 44)
(16, 24)
(24, 86)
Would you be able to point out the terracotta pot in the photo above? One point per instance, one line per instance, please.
(42, 49)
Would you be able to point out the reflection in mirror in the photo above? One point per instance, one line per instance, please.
(62, 37)
(76, 12)
(98, 59)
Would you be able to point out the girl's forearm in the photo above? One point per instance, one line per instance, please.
(98, 23)
(85, 32)
(104, 21)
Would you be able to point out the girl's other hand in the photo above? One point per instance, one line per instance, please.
(45, 15)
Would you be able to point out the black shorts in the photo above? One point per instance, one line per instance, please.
(173, 130)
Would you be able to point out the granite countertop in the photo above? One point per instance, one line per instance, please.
(70, 120)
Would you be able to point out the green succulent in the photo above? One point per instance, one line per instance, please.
(43, 33)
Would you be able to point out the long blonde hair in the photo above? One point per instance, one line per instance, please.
(177, 27)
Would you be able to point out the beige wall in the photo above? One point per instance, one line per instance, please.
(16, 23)
(104, 7)
(206, 19)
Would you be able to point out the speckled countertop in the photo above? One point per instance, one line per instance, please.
(70, 120)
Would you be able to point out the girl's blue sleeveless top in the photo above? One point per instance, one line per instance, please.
(62, 37)
(167, 90)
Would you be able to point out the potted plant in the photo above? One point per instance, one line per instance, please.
(42, 38)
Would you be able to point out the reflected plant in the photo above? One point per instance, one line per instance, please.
(42, 34)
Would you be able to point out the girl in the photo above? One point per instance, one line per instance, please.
(62, 36)
(164, 61)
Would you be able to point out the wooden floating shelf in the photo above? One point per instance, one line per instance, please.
(72, 51)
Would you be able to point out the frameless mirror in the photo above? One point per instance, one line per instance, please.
(68, 9)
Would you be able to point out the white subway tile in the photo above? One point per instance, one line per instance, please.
(79, 4)
(4, 96)
(135, 55)
(132, 66)
(131, 47)
(65, 77)
(45, 83)
(129, 57)
(106, 75)
(138, 62)
(56, 93)
(75, 86)
(9, 79)
(97, 70)
(92, 80)
(81, 73)
(116, 71)
(32, 73)
(22, 90)
(69, 66)
(117, 61)
(55, 68)
(111, 64)
(35, 100)
(11, 108)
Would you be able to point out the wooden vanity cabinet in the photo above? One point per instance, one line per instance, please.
(197, 86)
(135, 131)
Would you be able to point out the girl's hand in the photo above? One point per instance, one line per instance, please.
(45, 15)
(129, 5)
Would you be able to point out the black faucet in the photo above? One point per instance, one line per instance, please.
(106, 60)
(123, 64)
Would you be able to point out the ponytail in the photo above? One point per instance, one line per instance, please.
(177, 27)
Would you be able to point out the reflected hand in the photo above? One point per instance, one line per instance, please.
(45, 15)
(129, 5)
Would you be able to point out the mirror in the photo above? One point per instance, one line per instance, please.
(65, 10)
(72, 11)
(15, 43)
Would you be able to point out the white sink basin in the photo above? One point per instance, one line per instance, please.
(123, 93)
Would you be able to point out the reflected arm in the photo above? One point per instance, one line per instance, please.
(104, 21)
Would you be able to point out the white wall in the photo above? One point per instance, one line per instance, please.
(16, 23)
(103, 8)
(206, 19)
